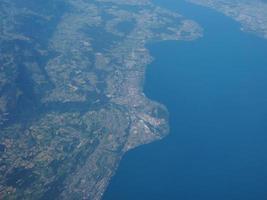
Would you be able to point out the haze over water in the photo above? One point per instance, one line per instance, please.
(215, 89)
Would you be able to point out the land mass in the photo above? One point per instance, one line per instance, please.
(251, 14)
(71, 91)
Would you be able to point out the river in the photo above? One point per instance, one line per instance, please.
(215, 89)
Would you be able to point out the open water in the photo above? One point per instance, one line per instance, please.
(215, 89)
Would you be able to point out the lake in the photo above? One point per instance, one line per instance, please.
(215, 89)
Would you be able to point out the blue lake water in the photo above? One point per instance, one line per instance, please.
(215, 89)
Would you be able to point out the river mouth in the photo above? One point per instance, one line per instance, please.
(215, 90)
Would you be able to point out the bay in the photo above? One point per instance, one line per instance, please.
(215, 90)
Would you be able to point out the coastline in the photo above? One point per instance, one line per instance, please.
(168, 169)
